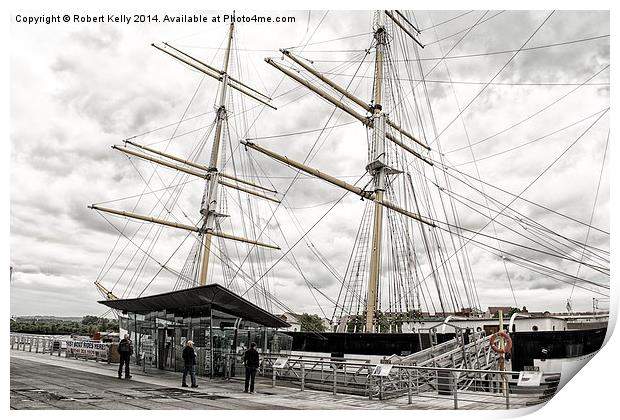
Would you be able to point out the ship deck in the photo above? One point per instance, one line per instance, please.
(47, 382)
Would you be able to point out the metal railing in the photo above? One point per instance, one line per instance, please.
(431, 386)
(440, 387)
(61, 347)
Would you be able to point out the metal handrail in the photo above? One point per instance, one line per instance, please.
(355, 376)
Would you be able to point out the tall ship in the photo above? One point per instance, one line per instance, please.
(220, 236)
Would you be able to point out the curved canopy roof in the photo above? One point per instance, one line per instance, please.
(198, 299)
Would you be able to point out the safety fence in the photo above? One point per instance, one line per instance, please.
(79, 349)
(430, 386)
(440, 387)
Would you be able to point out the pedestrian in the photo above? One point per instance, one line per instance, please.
(251, 362)
(189, 359)
(125, 350)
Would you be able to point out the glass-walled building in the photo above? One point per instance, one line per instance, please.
(221, 324)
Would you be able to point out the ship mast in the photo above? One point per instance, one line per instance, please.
(373, 117)
(207, 226)
(377, 168)
(209, 199)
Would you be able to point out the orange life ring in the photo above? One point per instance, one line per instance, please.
(506, 337)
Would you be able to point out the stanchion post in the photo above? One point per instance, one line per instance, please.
(334, 372)
(454, 390)
(417, 382)
(303, 376)
(409, 387)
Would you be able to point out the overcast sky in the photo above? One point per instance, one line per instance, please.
(77, 89)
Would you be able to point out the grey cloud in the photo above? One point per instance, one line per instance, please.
(107, 84)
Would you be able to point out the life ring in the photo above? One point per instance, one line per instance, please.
(506, 337)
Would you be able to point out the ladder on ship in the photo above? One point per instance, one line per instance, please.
(465, 350)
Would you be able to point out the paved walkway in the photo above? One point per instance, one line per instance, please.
(46, 382)
(50, 382)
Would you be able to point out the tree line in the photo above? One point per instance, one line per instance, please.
(89, 325)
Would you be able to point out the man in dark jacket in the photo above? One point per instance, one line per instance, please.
(189, 359)
(251, 362)
(125, 350)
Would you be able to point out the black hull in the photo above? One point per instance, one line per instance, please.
(530, 345)
(384, 344)
(527, 346)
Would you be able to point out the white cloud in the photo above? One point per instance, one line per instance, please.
(77, 89)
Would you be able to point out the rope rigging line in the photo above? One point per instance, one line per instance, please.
(300, 132)
(532, 183)
(576, 248)
(478, 233)
(522, 218)
(493, 78)
(539, 267)
(598, 186)
(450, 169)
(150, 178)
(536, 113)
(449, 272)
(446, 21)
(490, 53)
(479, 22)
(532, 141)
(475, 164)
(306, 159)
(300, 239)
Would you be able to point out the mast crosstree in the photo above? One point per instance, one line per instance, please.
(208, 225)
(410, 252)
(373, 116)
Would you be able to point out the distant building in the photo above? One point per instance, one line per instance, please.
(292, 319)
(492, 310)
(468, 312)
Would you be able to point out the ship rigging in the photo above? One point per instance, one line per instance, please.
(412, 250)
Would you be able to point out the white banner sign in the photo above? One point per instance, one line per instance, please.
(88, 349)
(382, 370)
(280, 362)
(530, 378)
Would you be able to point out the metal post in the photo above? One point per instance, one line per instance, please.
(454, 390)
(36, 349)
(30, 344)
(409, 387)
(211, 343)
(335, 367)
(417, 382)
(501, 346)
(303, 376)
(380, 388)
(273, 376)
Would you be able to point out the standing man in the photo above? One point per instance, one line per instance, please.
(189, 359)
(251, 362)
(125, 349)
